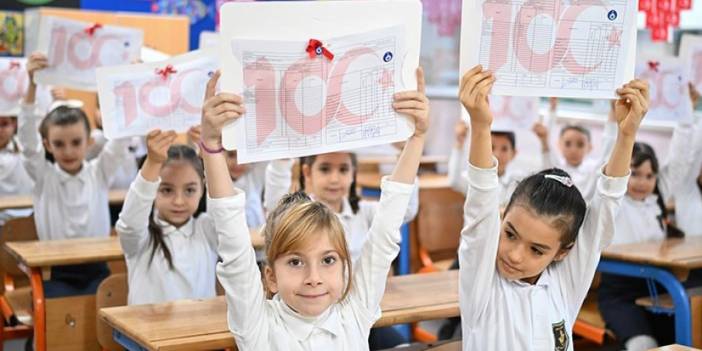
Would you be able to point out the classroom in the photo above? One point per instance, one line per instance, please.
(351, 175)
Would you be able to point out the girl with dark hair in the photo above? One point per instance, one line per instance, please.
(169, 249)
(13, 177)
(642, 217)
(524, 276)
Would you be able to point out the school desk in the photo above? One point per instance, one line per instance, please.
(33, 257)
(202, 324)
(674, 347)
(115, 197)
(667, 262)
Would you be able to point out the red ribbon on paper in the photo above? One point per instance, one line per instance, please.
(315, 48)
(653, 65)
(164, 72)
(14, 65)
(91, 30)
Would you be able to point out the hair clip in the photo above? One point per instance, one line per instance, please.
(565, 180)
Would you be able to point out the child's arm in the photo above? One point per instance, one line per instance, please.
(112, 157)
(371, 272)
(481, 227)
(237, 271)
(278, 180)
(578, 268)
(134, 218)
(679, 169)
(609, 136)
(456, 173)
(27, 131)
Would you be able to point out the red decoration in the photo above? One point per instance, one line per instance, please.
(315, 48)
(653, 65)
(165, 72)
(645, 5)
(663, 15)
(685, 4)
(91, 30)
(14, 65)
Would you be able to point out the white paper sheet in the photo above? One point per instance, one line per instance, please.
(511, 113)
(13, 84)
(208, 39)
(135, 99)
(297, 105)
(74, 54)
(302, 20)
(566, 48)
(691, 54)
(668, 89)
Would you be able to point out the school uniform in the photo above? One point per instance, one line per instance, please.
(356, 225)
(458, 176)
(585, 174)
(68, 206)
(261, 324)
(637, 221)
(681, 171)
(252, 183)
(498, 314)
(129, 169)
(192, 246)
(14, 179)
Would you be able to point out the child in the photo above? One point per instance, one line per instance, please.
(504, 148)
(319, 302)
(170, 250)
(13, 177)
(70, 195)
(641, 218)
(511, 295)
(575, 144)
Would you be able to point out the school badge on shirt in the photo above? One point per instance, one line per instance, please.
(560, 336)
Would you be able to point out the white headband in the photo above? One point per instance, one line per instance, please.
(565, 180)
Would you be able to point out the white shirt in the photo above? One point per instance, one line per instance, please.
(14, 180)
(65, 205)
(356, 225)
(458, 176)
(261, 324)
(681, 172)
(637, 221)
(252, 183)
(127, 171)
(585, 175)
(192, 246)
(498, 314)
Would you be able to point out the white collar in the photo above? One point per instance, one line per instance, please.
(64, 177)
(302, 327)
(187, 229)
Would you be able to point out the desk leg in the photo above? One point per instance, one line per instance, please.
(404, 256)
(681, 302)
(126, 342)
(39, 305)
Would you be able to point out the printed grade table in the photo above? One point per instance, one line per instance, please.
(202, 324)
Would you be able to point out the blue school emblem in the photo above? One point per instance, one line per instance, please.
(387, 57)
(612, 15)
(560, 336)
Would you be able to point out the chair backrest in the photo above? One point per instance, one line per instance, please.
(439, 221)
(111, 292)
(16, 229)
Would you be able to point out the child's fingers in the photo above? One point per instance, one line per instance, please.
(421, 84)
(476, 79)
(628, 90)
(223, 107)
(410, 95)
(211, 85)
(468, 75)
(634, 101)
(482, 89)
(409, 104)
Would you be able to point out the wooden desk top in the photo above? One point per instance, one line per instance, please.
(426, 181)
(683, 254)
(16, 202)
(77, 251)
(202, 324)
(61, 252)
(374, 160)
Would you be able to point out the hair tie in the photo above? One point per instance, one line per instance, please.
(565, 180)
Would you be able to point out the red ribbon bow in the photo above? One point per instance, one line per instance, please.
(315, 48)
(91, 30)
(164, 72)
(14, 65)
(653, 65)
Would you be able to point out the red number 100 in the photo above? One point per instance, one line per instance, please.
(64, 47)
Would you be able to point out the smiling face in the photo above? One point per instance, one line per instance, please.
(179, 193)
(329, 178)
(642, 181)
(528, 244)
(68, 144)
(310, 279)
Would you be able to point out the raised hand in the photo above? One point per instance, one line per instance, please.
(474, 90)
(631, 107)
(218, 111)
(414, 103)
